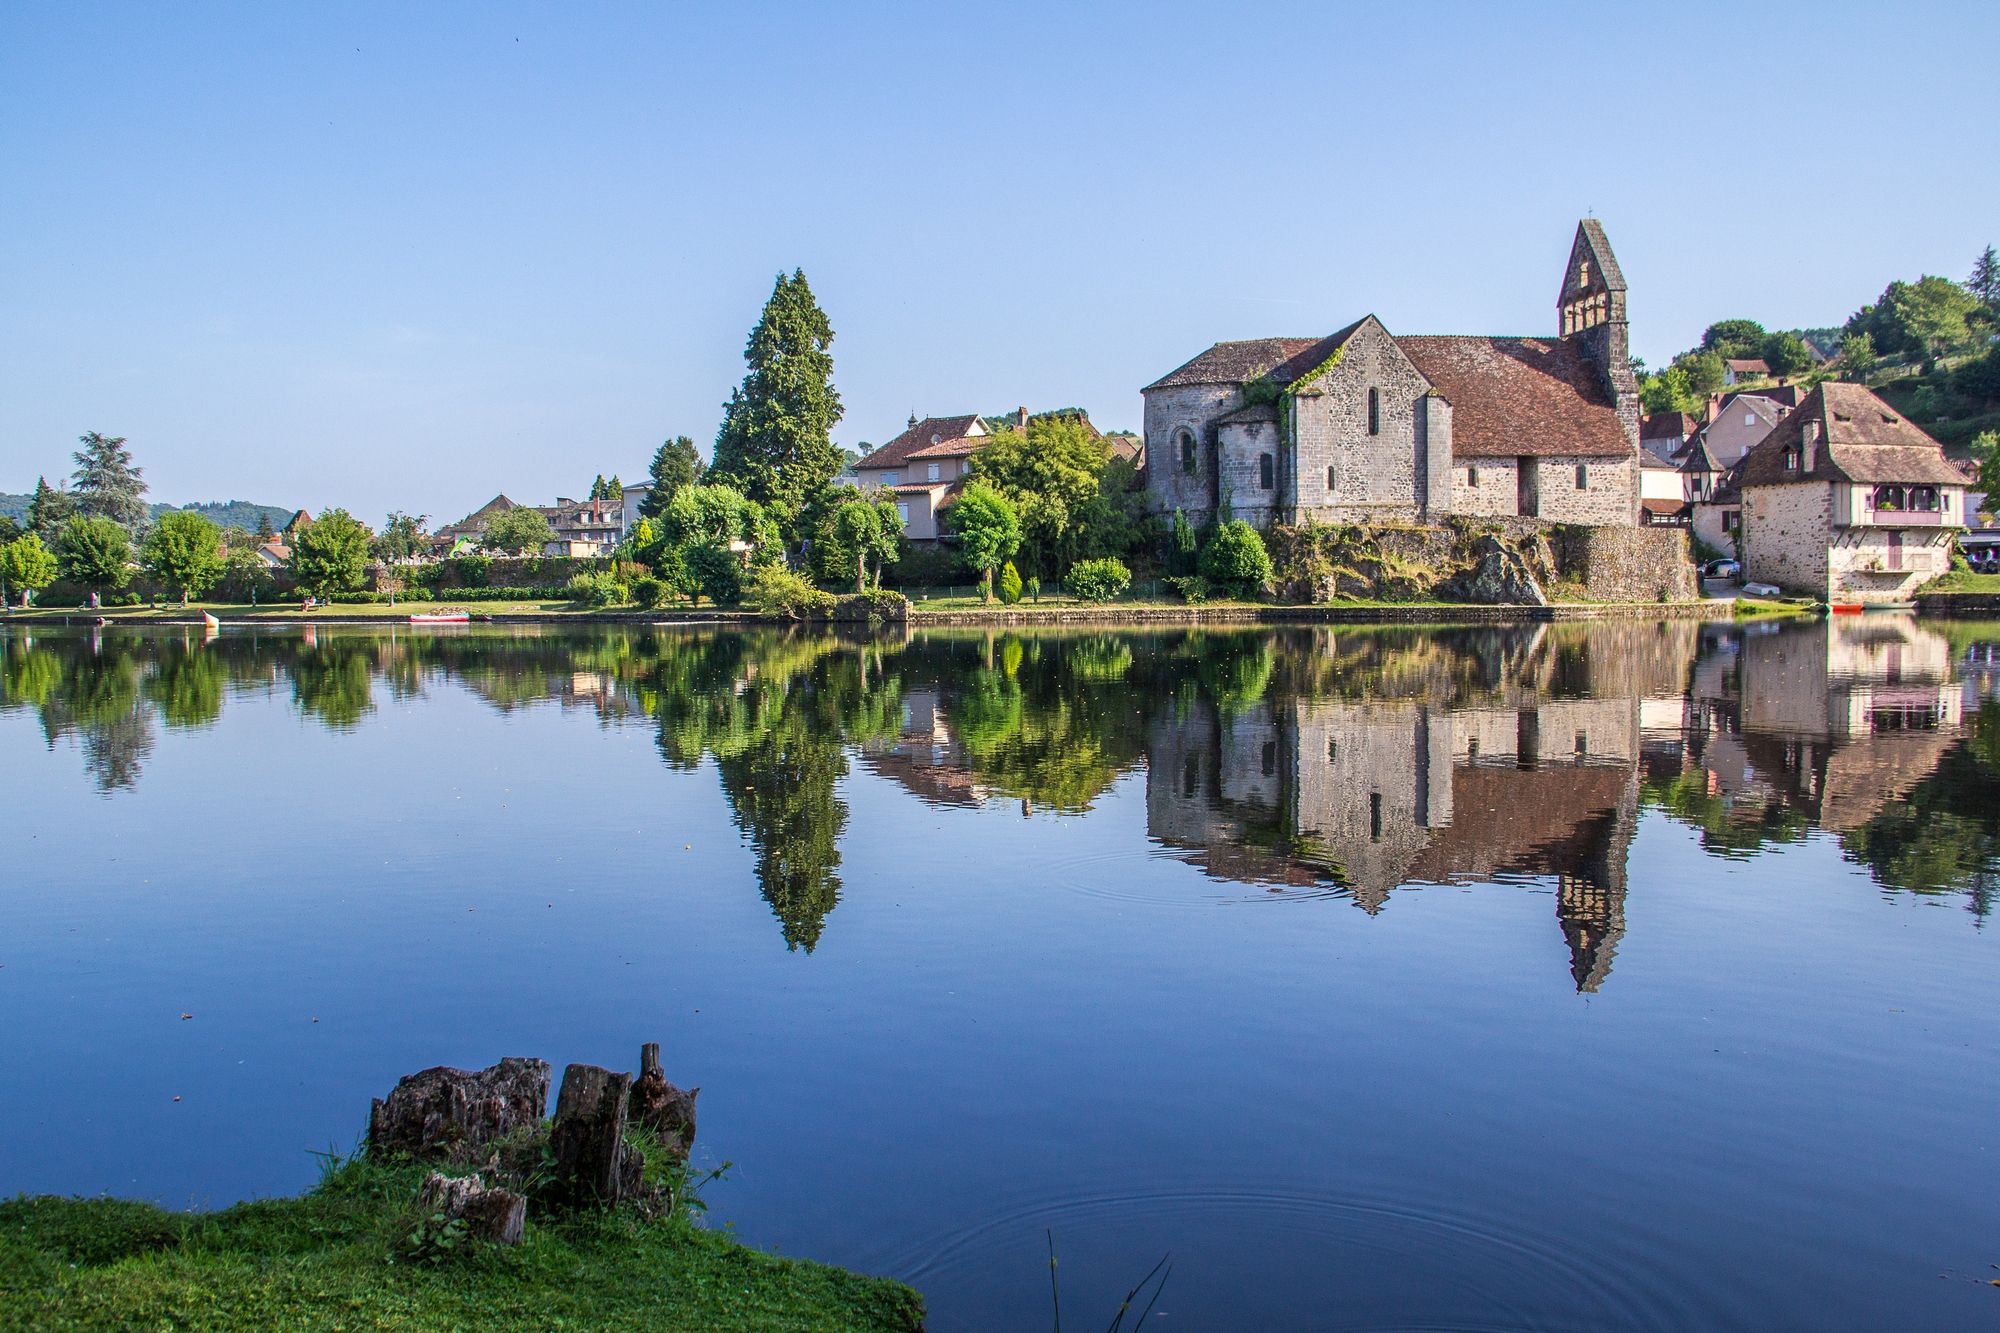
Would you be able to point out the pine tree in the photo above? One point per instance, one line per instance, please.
(106, 485)
(677, 464)
(49, 510)
(1985, 280)
(264, 531)
(776, 442)
(597, 487)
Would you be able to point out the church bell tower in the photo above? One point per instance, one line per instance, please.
(1591, 311)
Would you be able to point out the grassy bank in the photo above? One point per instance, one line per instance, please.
(336, 1258)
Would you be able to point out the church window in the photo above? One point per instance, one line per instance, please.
(1583, 273)
(1330, 475)
(1472, 477)
(1582, 477)
(1374, 411)
(1266, 471)
(1190, 464)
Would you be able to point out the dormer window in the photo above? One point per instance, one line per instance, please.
(1792, 458)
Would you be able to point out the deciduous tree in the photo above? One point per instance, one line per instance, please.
(330, 554)
(183, 550)
(517, 531)
(1785, 353)
(1733, 338)
(857, 530)
(403, 537)
(94, 552)
(26, 566)
(989, 531)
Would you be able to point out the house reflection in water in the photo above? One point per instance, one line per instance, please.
(1535, 775)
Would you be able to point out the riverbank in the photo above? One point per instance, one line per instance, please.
(338, 1257)
(1109, 614)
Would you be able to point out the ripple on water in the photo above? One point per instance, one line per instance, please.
(1239, 1252)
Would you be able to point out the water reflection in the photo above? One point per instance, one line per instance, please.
(1352, 764)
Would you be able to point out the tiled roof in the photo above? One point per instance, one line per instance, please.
(1668, 508)
(1521, 397)
(1660, 455)
(1600, 249)
(929, 431)
(1280, 360)
(1668, 426)
(1254, 412)
(961, 447)
(1784, 395)
(1700, 458)
(1861, 439)
(1748, 366)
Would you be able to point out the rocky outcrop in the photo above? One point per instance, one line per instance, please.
(457, 1114)
(1498, 576)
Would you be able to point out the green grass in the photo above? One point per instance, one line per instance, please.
(1757, 608)
(332, 1259)
(1964, 580)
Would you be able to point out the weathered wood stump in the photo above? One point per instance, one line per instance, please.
(666, 1110)
(458, 1113)
(592, 1165)
(489, 1213)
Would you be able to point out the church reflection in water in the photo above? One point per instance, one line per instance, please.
(1351, 763)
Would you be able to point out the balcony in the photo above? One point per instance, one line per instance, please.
(1899, 518)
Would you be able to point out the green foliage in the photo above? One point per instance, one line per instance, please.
(675, 464)
(1236, 560)
(1705, 373)
(1010, 584)
(9, 529)
(1785, 353)
(106, 485)
(402, 537)
(1979, 378)
(1986, 453)
(1098, 580)
(776, 442)
(595, 591)
(856, 531)
(94, 552)
(1184, 547)
(1193, 588)
(183, 551)
(1072, 498)
(777, 591)
(1984, 283)
(648, 591)
(711, 571)
(1669, 391)
(26, 566)
(989, 530)
(1921, 318)
(517, 531)
(49, 510)
(1734, 339)
(330, 554)
(1857, 357)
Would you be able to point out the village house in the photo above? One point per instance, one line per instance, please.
(927, 465)
(1366, 426)
(1663, 494)
(1737, 370)
(1738, 425)
(1847, 501)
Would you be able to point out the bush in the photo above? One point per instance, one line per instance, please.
(874, 604)
(1236, 559)
(648, 591)
(1191, 587)
(928, 566)
(595, 591)
(1099, 580)
(1010, 583)
(777, 591)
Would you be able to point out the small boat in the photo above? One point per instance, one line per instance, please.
(447, 616)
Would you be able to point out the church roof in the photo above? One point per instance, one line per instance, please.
(1521, 397)
(922, 435)
(1280, 360)
(1861, 439)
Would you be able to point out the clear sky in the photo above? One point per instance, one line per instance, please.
(407, 256)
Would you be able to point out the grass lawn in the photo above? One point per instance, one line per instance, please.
(333, 1259)
(1960, 580)
(1761, 608)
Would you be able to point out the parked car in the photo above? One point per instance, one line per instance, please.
(1721, 569)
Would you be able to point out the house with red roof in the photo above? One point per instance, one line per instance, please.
(1367, 426)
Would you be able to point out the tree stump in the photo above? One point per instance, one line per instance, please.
(661, 1107)
(457, 1113)
(593, 1167)
(489, 1213)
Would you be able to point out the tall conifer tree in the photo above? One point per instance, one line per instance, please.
(106, 485)
(49, 510)
(776, 442)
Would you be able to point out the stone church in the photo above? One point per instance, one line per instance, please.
(1363, 426)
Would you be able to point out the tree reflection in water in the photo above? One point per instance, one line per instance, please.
(1354, 763)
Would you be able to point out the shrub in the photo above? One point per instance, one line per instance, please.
(927, 566)
(1034, 586)
(648, 591)
(873, 604)
(595, 591)
(1010, 583)
(1099, 580)
(1191, 587)
(1236, 559)
(777, 591)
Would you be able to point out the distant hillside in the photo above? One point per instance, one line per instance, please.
(229, 513)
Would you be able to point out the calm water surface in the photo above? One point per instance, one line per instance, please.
(1570, 977)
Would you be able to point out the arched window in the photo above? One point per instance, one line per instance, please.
(1267, 471)
(1190, 460)
(1330, 475)
(1374, 411)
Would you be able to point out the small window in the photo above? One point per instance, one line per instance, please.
(1190, 462)
(903, 513)
(1792, 459)
(1472, 477)
(1374, 412)
(1472, 747)
(1582, 744)
(931, 472)
(1266, 471)
(1582, 477)
(1329, 479)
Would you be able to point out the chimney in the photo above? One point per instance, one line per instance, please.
(1809, 442)
(1021, 420)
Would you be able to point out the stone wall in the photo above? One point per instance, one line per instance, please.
(1485, 487)
(1629, 564)
(1382, 477)
(1609, 495)
(1785, 534)
(1240, 447)
(1191, 406)
(1859, 562)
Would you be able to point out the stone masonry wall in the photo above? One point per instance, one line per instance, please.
(1610, 494)
(1485, 487)
(1380, 477)
(1629, 564)
(1785, 535)
(1193, 406)
(1240, 447)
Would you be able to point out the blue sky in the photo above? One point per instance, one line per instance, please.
(408, 256)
